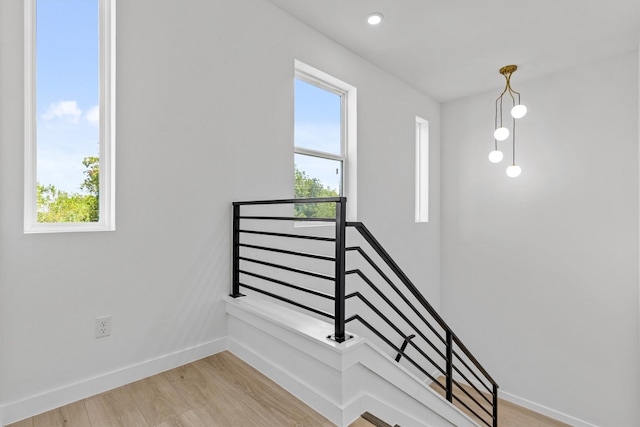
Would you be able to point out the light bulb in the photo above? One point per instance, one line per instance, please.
(374, 18)
(495, 156)
(501, 134)
(519, 111)
(514, 171)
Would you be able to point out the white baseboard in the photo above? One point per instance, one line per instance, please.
(51, 399)
(535, 407)
(551, 413)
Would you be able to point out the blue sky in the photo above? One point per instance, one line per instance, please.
(317, 127)
(67, 91)
(67, 98)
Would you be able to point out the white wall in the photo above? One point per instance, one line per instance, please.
(540, 273)
(205, 117)
(639, 215)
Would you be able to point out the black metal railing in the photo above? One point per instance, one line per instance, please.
(271, 254)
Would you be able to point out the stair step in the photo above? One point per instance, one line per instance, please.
(368, 420)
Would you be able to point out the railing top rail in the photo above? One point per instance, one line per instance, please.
(291, 201)
(416, 293)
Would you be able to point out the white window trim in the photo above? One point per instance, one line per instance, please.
(107, 125)
(349, 152)
(422, 170)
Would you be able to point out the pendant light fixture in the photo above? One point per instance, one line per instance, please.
(501, 132)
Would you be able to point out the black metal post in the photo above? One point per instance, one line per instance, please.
(495, 405)
(449, 367)
(339, 334)
(235, 290)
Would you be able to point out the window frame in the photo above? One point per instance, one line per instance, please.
(421, 170)
(348, 131)
(107, 90)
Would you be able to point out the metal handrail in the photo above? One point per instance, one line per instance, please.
(292, 201)
(339, 297)
(364, 231)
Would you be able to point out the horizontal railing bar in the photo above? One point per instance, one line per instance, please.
(457, 356)
(290, 201)
(473, 398)
(395, 288)
(364, 231)
(287, 300)
(390, 344)
(471, 384)
(395, 308)
(287, 218)
(289, 285)
(442, 386)
(283, 267)
(395, 328)
(293, 236)
(471, 410)
(287, 252)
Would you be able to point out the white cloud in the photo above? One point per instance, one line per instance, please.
(93, 115)
(63, 110)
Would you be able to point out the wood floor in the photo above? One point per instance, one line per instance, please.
(220, 390)
(509, 414)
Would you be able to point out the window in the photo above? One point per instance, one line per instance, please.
(422, 170)
(69, 115)
(324, 141)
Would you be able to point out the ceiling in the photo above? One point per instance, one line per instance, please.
(450, 49)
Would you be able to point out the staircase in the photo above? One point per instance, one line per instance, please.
(341, 275)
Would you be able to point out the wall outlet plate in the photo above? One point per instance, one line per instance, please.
(103, 326)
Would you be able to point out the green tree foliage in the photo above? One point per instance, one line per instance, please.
(91, 175)
(60, 206)
(307, 187)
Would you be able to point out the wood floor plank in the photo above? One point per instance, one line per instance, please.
(204, 393)
(188, 419)
(114, 408)
(192, 419)
(233, 404)
(277, 401)
(73, 415)
(157, 399)
(208, 418)
(311, 422)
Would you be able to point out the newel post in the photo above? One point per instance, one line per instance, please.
(235, 280)
(339, 334)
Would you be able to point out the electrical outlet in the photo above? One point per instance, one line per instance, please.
(103, 326)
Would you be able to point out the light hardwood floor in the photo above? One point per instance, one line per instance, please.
(220, 390)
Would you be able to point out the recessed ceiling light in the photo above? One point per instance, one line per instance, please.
(374, 18)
